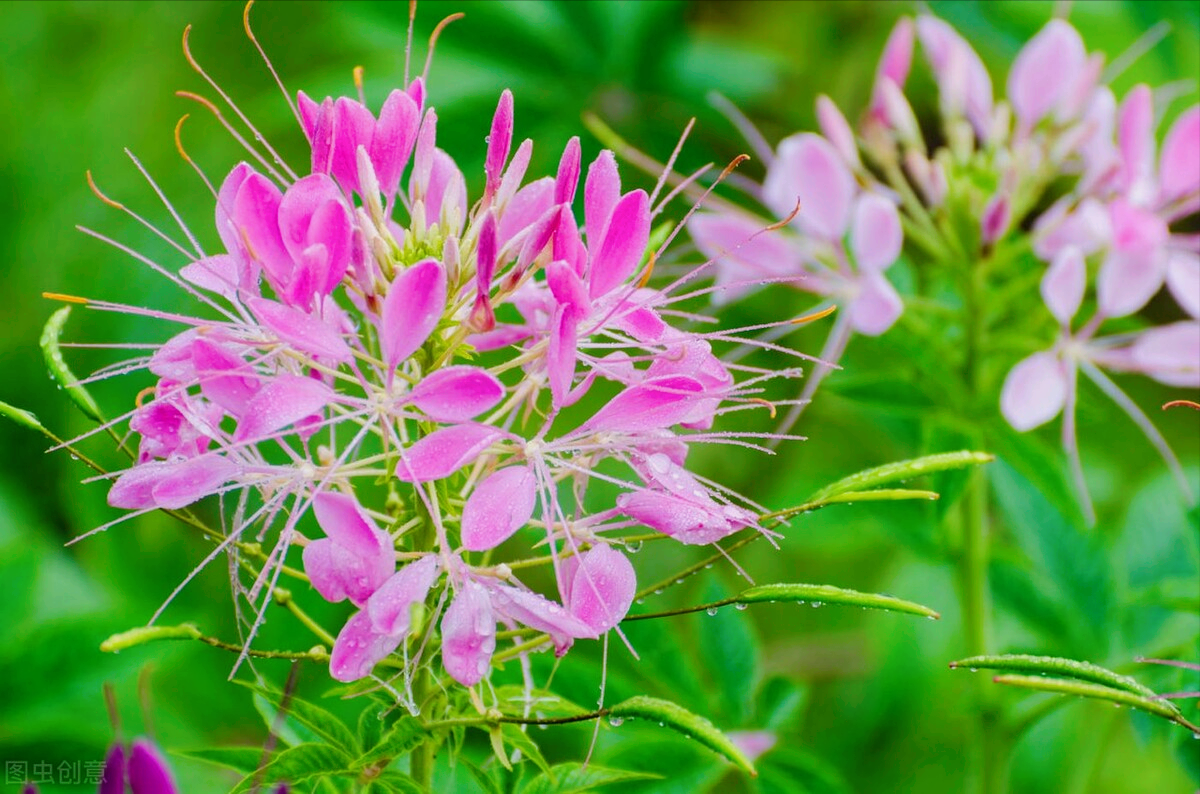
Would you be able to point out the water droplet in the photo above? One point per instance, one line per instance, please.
(641, 601)
(633, 547)
(1196, 735)
(816, 604)
(974, 669)
(678, 581)
(616, 722)
(740, 607)
(711, 611)
(931, 617)
(658, 591)
(660, 724)
(706, 567)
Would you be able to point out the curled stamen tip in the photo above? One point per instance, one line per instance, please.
(785, 221)
(246, 19)
(1181, 403)
(100, 195)
(179, 137)
(769, 405)
(216, 111)
(808, 318)
(358, 77)
(58, 296)
(649, 269)
(142, 395)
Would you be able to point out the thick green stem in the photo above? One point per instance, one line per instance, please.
(421, 759)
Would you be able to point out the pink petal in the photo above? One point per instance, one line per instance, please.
(653, 404)
(1044, 71)
(568, 247)
(224, 377)
(567, 180)
(540, 613)
(390, 607)
(515, 173)
(742, 252)
(808, 168)
(359, 648)
(468, 634)
(1179, 165)
(996, 216)
(1034, 391)
(686, 521)
(837, 130)
(353, 126)
(876, 307)
(1064, 284)
(392, 143)
(568, 289)
(304, 332)
(875, 233)
(561, 354)
(957, 68)
(525, 208)
(422, 170)
(134, 489)
(148, 771)
(898, 114)
(283, 401)
(321, 138)
(601, 191)
(753, 744)
(218, 274)
(1135, 135)
(485, 266)
(191, 480)
(1183, 279)
(445, 451)
(256, 217)
(499, 141)
(1087, 227)
(896, 60)
(312, 213)
(1170, 354)
(344, 521)
(499, 506)
(456, 394)
(1136, 264)
(226, 198)
(625, 239)
(600, 585)
(411, 310)
(310, 112)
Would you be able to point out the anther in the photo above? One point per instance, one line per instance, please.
(808, 318)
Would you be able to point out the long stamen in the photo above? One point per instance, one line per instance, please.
(433, 37)
(147, 224)
(270, 67)
(237, 136)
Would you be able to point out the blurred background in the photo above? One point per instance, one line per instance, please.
(862, 702)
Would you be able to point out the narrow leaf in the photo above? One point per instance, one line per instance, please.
(406, 734)
(1067, 686)
(680, 719)
(574, 778)
(1056, 666)
(297, 765)
(144, 634)
(849, 497)
(520, 740)
(901, 470)
(396, 781)
(58, 365)
(21, 417)
(828, 594)
(483, 779)
(316, 719)
(239, 759)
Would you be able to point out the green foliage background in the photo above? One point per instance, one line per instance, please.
(862, 701)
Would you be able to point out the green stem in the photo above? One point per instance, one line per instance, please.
(421, 759)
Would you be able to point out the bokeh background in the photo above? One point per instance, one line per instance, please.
(862, 702)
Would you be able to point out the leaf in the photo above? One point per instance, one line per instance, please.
(21, 417)
(679, 719)
(542, 702)
(370, 727)
(397, 782)
(485, 781)
(315, 718)
(572, 778)
(828, 594)
(406, 734)
(239, 759)
(144, 634)
(1066, 686)
(58, 366)
(730, 653)
(519, 739)
(297, 765)
(901, 470)
(1053, 665)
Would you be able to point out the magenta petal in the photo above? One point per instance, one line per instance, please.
(224, 378)
(344, 521)
(485, 258)
(499, 506)
(324, 563)
(807, 168)
(390, 607)
(837, 130)
(445, 451)
(134, 489)
(1044, 71)
(422, 170)
(515, 173)
(353, 126)
(359, 648)
(525, 208)
(1179, 163)
(540, 613)
(562, 354)
(1064, 284)
(1135, 136)
(625, 240)
(1136, 263)
(602, 586)
(1183, 279)
(113, 777)
(1034, 391)
(499, 141)
(896, 60)
(875, 233)
(192, 480)
(148, 770)
(392, 143)
(653, 404)
(310, 112)
(411, 310)
(567, 180)
(456, 394)
(876, 307)
(601, 191)
(468, 634)
(283, 401)
(304, 332)
(256, 217)
(218, 274)
(1170, 354)
(568, 289)
(688, 522)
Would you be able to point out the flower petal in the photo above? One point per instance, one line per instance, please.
(876, 307)
(561, 354)
(456, 394)
(304, 332)
(499, 506)
(807, 168)
(392, 143)
(1044, 71)
(283, 401)
(1170, 354)
(411, 310)
(359, 648)
(1034, 391)
(875, 233)
(468, 634)
(1179, 163)
(655, 403)
(600, 585)
(1064, 284)
(148, 770)
(567, 180)
(625, 239)
(192, 480)
(344, 521)
(499, 141)
(540, 613)
(445, 451)
(601, 191)
(1183, 279)
(390, 607)
(1136, 264)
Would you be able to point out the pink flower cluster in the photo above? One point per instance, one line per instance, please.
(398, 362)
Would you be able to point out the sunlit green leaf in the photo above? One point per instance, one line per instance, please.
(575, 778)
(1051, 665)
(239, 759)
(399, 740)
(21, 417)
(1066, 686)
(828, 594)
(679, 719)
(298, 765)
(900, 471)
(58, 365)
(519, 739)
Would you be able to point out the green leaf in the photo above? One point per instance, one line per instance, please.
(511, 698)
(679, 719)
(901, 470)
(397, 782)
(315, 718)
(144, 634)
(406, 734)
(1067, 686)
(729, 652)
(239, 759)
(58, 366)
(21, 417)
(572, 778)
(1053, 665)
(297, 765)
(485, 781)
(828, 594)
(519, 739)
(370, 726)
